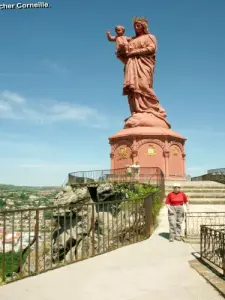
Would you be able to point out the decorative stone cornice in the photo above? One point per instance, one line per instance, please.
(149, 141)
(179, 145)
(121, 143)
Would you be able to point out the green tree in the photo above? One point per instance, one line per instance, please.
(24, 196)
(2, 203)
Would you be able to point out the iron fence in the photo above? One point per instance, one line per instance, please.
(220, 171)
(147, 175)
(220, 178)
(212, 245)
(152, 176)
(194, 220)
(33, 241)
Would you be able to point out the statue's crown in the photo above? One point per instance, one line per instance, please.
(140, 19)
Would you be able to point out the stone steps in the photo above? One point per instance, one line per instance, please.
(201, 192)
(207, 200)
(195, 183)
(198, 184)
(206, 196)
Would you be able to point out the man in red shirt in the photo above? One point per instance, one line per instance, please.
(174, 202)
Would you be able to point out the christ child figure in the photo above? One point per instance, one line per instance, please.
(122, 41)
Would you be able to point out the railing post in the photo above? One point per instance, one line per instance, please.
(37, 240)
(136, 221)
(85, 179)
(3, 258)
(201, 240)
(148, 205)
(93, 229)
(223, 254)
(185, 228)
(151, 199)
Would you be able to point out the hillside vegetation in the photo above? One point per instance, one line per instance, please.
(12, 196)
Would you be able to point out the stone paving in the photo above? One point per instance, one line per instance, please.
(215, 278)
(154, 269)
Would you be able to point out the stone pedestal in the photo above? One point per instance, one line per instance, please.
(150, 147)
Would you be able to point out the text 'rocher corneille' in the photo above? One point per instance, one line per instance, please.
(20, 5)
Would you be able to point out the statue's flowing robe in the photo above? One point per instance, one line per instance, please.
(138, 76)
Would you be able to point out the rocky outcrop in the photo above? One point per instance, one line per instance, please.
(89, 220)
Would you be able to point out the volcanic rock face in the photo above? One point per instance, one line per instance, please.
(89, 220)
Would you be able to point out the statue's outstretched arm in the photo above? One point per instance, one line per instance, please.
(110, 37)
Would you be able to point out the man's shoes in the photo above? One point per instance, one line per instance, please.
(177, 238)
(171, 240)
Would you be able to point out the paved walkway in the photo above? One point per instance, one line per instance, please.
(153, 269)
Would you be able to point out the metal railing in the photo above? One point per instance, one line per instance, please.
(220, 178)
(216, 171)
(194, 220)
(212, 245)
(152, 176)
(147, 175)
(41, 239)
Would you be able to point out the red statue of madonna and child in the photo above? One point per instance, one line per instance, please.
(138, 55)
